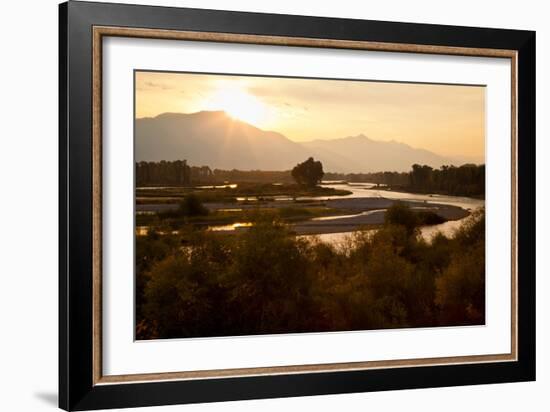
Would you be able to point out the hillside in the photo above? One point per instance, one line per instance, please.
(219, 141)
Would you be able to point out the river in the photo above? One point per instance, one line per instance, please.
(369, 190)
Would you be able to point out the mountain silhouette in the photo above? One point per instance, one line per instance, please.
(360, 153)
(215, 139)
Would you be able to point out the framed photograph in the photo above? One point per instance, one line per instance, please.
(256, 205)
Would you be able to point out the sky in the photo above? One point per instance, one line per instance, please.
(446, 119)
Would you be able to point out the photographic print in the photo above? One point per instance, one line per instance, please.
(272, 205)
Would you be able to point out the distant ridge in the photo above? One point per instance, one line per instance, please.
(361, 153)
(216, 139)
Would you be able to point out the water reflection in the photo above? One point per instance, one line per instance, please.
(341, 239)
(372, 190)
(231, 227)
(358, 190)
(330, 218)
(225, 186)
(144, 231)
(369, 190)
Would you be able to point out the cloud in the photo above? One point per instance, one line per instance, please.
(150, 85)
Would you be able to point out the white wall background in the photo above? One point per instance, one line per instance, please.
(28, 206)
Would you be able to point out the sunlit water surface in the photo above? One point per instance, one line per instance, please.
(363, 190)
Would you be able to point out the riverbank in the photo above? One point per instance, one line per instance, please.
(312, 217)
(369, 212)
(233, 193)
(432, 192)
(325, 214)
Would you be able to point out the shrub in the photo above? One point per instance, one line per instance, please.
(266, 280)
(461, 287)
(401, 214)
(191, 205)
(429, 218)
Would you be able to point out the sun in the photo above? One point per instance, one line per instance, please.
(238, 104)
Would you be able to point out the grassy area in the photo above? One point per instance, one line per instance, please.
(175, 220)
(261, 191)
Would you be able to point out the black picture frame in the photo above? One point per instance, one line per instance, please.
(77, 390)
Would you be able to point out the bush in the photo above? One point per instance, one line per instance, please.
(266, 280)
(429, 218)
(400, 214)
(270, 279)
(191, 205)
(184, 294)
(461, 288)
(292, 212)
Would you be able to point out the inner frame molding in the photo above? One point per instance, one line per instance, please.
(99, 32)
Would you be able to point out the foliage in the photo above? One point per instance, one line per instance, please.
(400, 214)
(163, 173)
(380, 178)
(465, 180)
(267, 280)
(260, 191)
(308, 173)
(191, 205)
(426, 218)
(460, 289)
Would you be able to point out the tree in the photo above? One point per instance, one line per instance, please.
(163, 173)
(191, 205)
(400, 214)
(308, 173)
(460, 293)
(269, 279)
(421, 177)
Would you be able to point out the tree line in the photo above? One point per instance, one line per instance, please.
(164, 172)
(382, 178)
(179, 173)
(465, 180)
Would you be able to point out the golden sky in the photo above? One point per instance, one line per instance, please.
(448, 120)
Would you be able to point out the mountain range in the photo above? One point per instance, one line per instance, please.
(215, 139)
